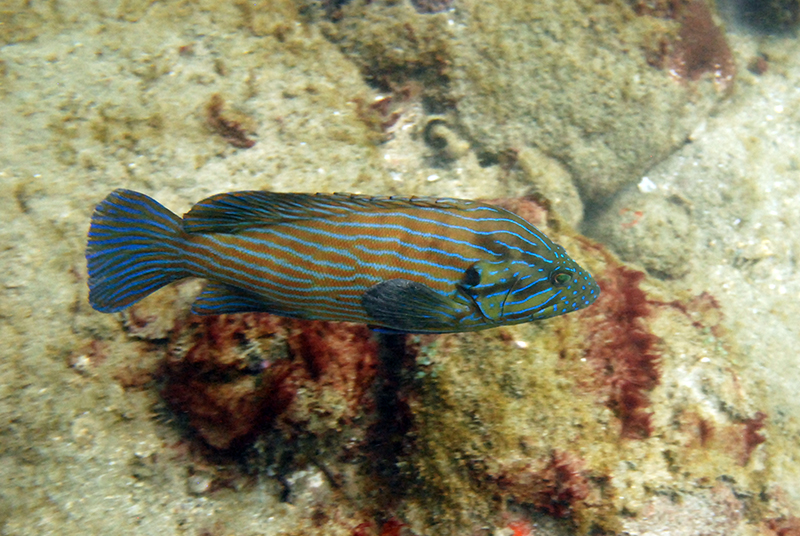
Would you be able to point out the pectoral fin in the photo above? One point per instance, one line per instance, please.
(407, 306)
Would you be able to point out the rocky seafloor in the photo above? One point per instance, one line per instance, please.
(656, 141)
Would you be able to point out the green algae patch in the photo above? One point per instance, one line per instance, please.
(586, 418)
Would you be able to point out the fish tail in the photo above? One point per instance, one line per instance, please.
(136, 246)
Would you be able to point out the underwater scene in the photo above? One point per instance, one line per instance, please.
(549, 284)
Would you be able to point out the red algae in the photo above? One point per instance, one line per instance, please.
(364, 529)
(622, 350)
(234, 375)
(700, 46)
(233, 131)
(392, 527)
(784, 526)
(559, 488)
(705, 431)
(752, 437)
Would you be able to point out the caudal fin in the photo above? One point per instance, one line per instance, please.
(135, 247)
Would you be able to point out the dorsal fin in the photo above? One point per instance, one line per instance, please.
(234, 211)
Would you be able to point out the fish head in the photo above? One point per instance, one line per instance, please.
(515, 290)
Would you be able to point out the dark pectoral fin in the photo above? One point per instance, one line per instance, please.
(407, 306)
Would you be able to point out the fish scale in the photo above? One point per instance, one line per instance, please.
(424, 265)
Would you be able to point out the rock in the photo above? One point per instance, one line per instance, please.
(605, 90)
(651, 229)
(553, 183)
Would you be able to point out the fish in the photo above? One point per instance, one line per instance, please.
(397, 264)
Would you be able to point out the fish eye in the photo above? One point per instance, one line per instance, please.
(560, 279)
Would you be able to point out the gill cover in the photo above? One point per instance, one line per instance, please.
(487, 285)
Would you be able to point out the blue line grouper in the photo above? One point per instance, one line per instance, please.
(414, 265)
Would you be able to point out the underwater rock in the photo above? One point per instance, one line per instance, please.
(651, 229)
(393, 43)
(574, 79)
(585, 82)
(768, 15)
(553, 183)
